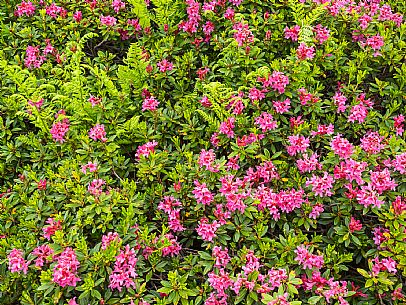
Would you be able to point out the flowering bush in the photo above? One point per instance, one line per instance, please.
(202, 152)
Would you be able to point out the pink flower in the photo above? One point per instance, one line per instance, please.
(118, 5)
(358, 113)
(282, 106)
(322, 33)
(341, 147)
(91, 166)
(368, 196)
(165, 65)
(297, 144)
(33, 59)
(229, 14)
(220, 282)
(201, 73)
(65, 271)
(308, 260)
(400, 163)
(16, 262)
(321, 186)
(202, 193)
(150, 103)
(375, 42)
(364, 21)
(54, 10)
(146, 149)
(59, 130)
(77, 16)
(208, 28)
(72, 301)
(292, 33)
(37, 105)
(42, 185)
(251, 264)
(399, 205)
(399, 124)
(94, 100)
(51, 228)
(243, 35)
(304, 52)
(168, 204)
(96, 187)
(205, 102)
(194, 17)
(323, 130)
(221, 256)
(379, 235)
(111, 237)
(277, 81)
(339, 100)
(124, 270)
(43, 254)
(308, 164)
(354, 225)
(372, 143)
(173, 249)
(108, 20)
(266, 122)
(381, 181)
(25, 7)
(97, 133)
(227, 127)
(256, 94)
(206, 230)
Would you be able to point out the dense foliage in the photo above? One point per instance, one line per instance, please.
(186, 152)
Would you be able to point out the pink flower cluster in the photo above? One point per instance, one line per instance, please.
(174, 247)
(221, 256)
(107, 240)
(118, 5)
(386, 264)
(304, 52)
(227, 127)
(150, 103)
(321, 186)
(146, 149)
(277, 81)
(91, 166)
(192, 24)
(96, 187)
(243, 35)
(65, 270)
(52, 227)
(207, 159)
(206, 230)
(124, 270)
(108, 20)
(281, 106)
(16, 262)
(308, 164)
(172, 208)
(266, 122)
(97, 133)
(25, 7)
(308, 260)
(297, 144)
(164, 65)
(43, 253)
(292, 33)
(202, 193)
(59, 130)
(342, 147)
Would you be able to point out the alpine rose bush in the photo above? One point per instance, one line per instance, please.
(202, 152)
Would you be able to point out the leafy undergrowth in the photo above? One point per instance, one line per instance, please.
(185, 152)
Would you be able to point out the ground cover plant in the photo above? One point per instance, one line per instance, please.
(202, 152)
